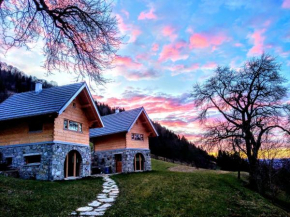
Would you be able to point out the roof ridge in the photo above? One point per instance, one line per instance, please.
(48, 88)
(71, 95)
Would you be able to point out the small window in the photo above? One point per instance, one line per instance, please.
(65, 124)
(32, 159)
(137, 136)
(35, 127)
(72, 125)
(74, 105)
(9, 161)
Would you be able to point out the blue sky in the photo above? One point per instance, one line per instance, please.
(168, 46)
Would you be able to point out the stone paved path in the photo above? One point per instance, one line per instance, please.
(104, 200)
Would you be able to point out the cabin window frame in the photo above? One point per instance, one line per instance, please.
(66, 126)
(137, 135)
(32, 159)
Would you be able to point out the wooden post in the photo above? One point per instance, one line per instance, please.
(135, 163)
(66, 172)
(75, 164)
(140, 163)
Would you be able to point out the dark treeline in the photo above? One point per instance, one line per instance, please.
(13, 80)
(178, 148)
(105, 109)
(231, 162)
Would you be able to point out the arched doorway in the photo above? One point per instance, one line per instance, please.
(139, 162)
(72, 164)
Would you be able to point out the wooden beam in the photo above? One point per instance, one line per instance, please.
(75, 164)
(66, 166)
(86, 105)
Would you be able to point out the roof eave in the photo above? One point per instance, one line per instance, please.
(91, 98)
(143, 110)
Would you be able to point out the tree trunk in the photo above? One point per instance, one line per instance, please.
(253, 179)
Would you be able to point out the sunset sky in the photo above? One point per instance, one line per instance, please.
(169, 46)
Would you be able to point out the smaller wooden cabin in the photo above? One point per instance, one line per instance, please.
(122, 145)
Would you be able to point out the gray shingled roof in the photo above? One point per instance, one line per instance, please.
(117, 123)
(49, 100)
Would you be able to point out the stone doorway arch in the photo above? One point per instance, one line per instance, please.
(72, 164)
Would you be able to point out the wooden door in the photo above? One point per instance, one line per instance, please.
(118, 159)
(72, 164)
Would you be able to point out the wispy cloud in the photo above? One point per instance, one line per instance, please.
(173, 52)
(147, 15)
(257, 39)
(286, 4)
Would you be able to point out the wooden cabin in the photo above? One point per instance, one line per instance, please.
(122, 145)
(45, 133)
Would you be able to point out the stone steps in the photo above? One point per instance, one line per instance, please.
(104, 200)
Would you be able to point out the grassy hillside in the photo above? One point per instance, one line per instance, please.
(200, 193)
(157, 193)
(42, 198)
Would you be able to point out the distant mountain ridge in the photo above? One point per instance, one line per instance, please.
(12, 80)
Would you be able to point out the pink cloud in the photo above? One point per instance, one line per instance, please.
(147, 15)
(238, 45)
(135, 32)
(173, 123)
(210, 65)
(173, 52)
(127, 62)
(128, 29)
(131, 70)
(201, 40)
(173, 112)
(126, 13)
(286, 4)
(155, 47)
(168, 31)
(258, 41)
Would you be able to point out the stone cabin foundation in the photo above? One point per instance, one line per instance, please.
(52, 159)
(107, 159)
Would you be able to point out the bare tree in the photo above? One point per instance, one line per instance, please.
(79, 36)
(250, 104)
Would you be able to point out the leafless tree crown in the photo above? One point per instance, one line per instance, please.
(79, 36)
(250, 103)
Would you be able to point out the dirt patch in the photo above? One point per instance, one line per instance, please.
(187, 169)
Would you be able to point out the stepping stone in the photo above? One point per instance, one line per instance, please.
(74, 213)
(95, 203)
(102, 196)
(107, 200)
(106, 191)
(85, 209)
(92, 213)
(105, 206)
(100, 210)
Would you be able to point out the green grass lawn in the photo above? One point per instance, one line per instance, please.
(157, 193)
(200, 193)
(42, 198)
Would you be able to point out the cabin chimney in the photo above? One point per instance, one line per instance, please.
(38, 86)
(117, 110)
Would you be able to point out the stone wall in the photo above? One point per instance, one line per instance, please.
(103, 159)
(58, 158)
(51, 166)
